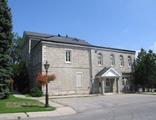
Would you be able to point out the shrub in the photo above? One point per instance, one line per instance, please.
(36, 92)
(20, 77)
(4, 91)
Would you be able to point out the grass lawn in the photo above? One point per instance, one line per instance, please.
(14, 105)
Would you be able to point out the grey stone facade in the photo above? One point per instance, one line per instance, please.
(78, 76)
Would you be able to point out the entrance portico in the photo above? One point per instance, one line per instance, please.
(108, 79)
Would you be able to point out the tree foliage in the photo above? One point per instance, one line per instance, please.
(36, 92)
(16, 49)
(20, 77)
(20, 73)
(5, 45)
(145, 69)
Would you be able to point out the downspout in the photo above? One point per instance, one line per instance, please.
(90, 69)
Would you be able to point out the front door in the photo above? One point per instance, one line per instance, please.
(108, 85)
(79, 78)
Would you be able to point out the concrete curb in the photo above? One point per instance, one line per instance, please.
(59, 112)
(13, 116)
(18, 116)
(57, 97)
(73, 96)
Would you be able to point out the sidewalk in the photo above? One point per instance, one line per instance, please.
(18, 116)
(58, 97)
(60, 111)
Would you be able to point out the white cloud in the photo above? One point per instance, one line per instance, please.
(153, 47)
(136, 54)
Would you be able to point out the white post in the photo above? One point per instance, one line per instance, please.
(114, 86)
(103, 86)
(118, 85)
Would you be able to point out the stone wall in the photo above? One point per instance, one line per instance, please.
(65, 82)
(107, 63)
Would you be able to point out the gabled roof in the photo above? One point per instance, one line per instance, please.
(108, 72)
(67, 40)
(102, 71)
(56, 38)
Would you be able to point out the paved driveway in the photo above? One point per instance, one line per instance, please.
(86, 104)
(114, 107)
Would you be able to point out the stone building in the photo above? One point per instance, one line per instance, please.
(80, 67)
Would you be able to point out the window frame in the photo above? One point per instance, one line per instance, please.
(121, 58)
(108, 82)
(70, 56)
(129, 61)
(100, 59)
(112, 58)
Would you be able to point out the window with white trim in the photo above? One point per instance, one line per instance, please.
(121, 61)
(129, 61)
(112, 58)
(100, 59)
(68, 56)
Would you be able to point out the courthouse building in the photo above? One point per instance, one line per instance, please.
(80, 67)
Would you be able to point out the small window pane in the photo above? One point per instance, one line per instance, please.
(112, 60)
(121, 60)
(107, 82)
(68, 55)
(129, 61)
(100, 59)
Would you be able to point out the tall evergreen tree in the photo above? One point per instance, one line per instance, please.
(150, 65)
(139, 67)
(5, 45)
(144, 69)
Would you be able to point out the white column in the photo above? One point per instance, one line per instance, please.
(114, 86)
(118, 85)
(103, 86)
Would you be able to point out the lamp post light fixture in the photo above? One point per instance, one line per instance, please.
(46, 66)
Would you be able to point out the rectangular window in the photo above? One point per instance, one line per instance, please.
(107, 82)
(68, 56)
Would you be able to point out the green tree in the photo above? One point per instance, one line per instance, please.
(20, 77)
(20, 74)
(150, 65)
(139, 69)
(144, 69)
(16, 49)
(5, 45)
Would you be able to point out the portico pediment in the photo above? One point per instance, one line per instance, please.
(108, 72)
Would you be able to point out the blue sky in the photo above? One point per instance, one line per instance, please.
(127, 24)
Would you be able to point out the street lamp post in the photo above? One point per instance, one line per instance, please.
(46, 66)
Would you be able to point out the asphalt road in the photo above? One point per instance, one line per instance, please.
(114, 107)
